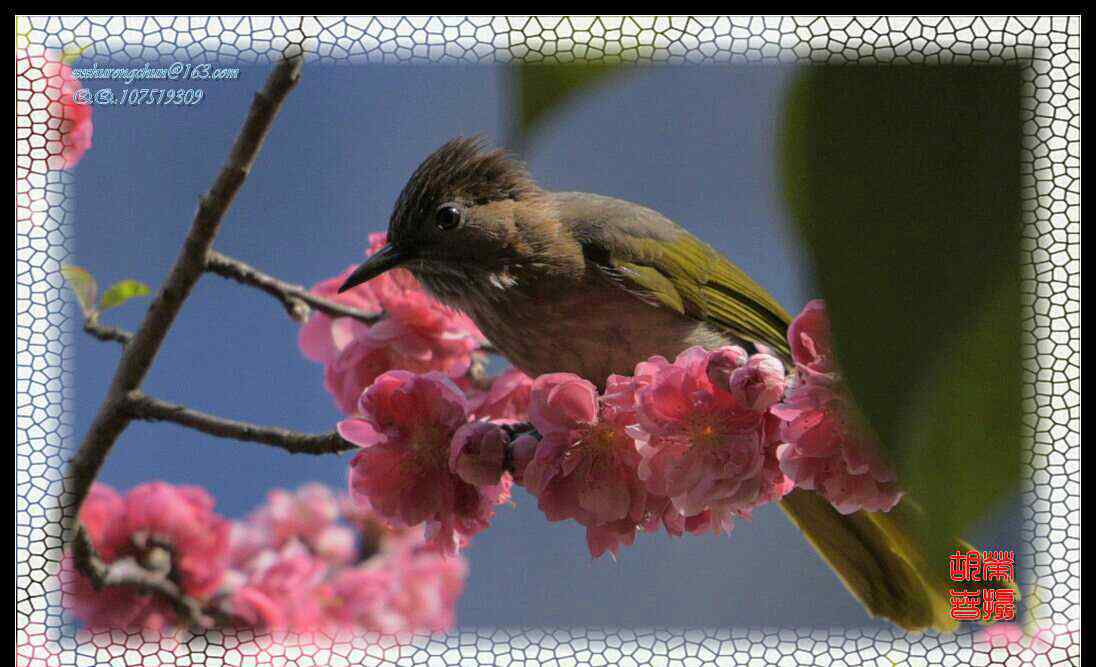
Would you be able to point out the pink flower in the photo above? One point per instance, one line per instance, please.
(302, 513)
(507, 399)
(411, 590)
(478, 452)
(722, 364)
(323, 337)
(829, 449)
(103, 516)
(307, 515)
(281, 591)
(360, 598)
(759, 384)
(160, 517)
(661, 513)
(429, 587)
(584, 467)
(405, 588)
(67, 131)
(182, 517)
(296, 568)
(829, 452)
(335, 545)
(417, 333)
(810, 339)
(710, 448)
(403, 470)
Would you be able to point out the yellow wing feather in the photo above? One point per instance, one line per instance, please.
(689, 276)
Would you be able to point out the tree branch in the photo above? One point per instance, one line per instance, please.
(140, 406)
(139, 353)
(295, 299)
(107, 333)
(128, 573)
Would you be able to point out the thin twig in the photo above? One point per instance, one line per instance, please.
(107, 333)
(141, 350)
(140, 406)
(295, 299)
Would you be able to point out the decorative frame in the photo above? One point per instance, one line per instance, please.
(1051, 259)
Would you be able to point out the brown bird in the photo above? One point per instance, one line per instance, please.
(581, 283)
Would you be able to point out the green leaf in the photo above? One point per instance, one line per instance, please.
(122, 291)
(541, 89)
(83, 285)
(904, 184)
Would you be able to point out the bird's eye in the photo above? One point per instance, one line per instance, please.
(447, 217)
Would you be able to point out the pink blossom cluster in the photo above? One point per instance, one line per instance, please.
(295, 566)
(305, 560)
(149, 522)
(828, 448)
(415, 333)
(686, 446)
(423, 461)
(706, 433)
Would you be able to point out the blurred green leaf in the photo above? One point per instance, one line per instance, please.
(122, 291)
(83, 286)
(541, 89)
(904, 184)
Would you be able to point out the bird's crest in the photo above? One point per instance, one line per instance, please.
(464, 170)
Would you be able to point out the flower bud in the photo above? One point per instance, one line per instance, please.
(722, 363)
(477, 453)
(524, 449)
(759, 384)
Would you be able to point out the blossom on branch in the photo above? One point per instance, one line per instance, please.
(155, 525)
(506, 400)
(478, 452)
(829, 449)
(416, 333)
(278, 590)
(271, 571)
(705, 433)
(405, 432)
(584, 467)
(406, 590)
(395, 582)
(308, 515)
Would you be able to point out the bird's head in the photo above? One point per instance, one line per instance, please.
(456, 219)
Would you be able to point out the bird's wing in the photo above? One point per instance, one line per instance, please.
(710, 287)
(669, 267)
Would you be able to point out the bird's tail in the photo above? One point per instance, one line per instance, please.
(880, 559)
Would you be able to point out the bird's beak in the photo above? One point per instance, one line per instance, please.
(388, 257)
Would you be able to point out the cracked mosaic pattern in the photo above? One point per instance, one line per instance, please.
(1051, 259)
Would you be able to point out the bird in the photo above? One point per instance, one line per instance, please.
(592, 285)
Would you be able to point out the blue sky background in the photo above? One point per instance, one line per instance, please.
(696, 143)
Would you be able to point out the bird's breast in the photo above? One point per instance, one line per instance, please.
(590, 329)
